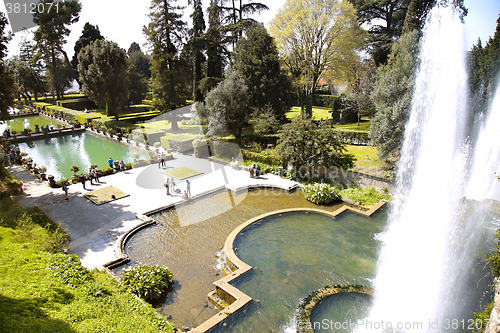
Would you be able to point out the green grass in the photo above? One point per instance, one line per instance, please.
(182, 173)
(103, 195)
(33, 298)
(366, 196)
(318, 112)
(364, 126)
(366, 156)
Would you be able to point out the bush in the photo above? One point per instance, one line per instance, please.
(201, 148)
(147, 282)
(320, 193)
(365, 196)
(327, 101)
(69, 269)
(226, 149)
(261, 158)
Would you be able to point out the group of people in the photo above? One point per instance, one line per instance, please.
(170, 185)
(93, 176)
(161, 159)
(254, 170)
(234, 164)
(120, 166)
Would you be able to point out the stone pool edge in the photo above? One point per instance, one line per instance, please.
(236, 298)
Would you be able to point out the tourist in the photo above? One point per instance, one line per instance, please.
(251, 170)
(185, 196)
(82, 179)
(91, 176)
(110, 162)
(11, 157)
(96, 175)
(188, 187)
(122, 166)
(159, 160)
(232, 163)
(65, 189)
(167, 185)
(162, 156)
(172, 184)
(257, 171)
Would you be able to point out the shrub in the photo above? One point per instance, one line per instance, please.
(261, 158)
(201, 148)
(320, 193)
(365, 196)
(226, 149)
(147, 282)
(69, 269)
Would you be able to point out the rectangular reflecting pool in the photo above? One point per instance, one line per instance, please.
(58, 154)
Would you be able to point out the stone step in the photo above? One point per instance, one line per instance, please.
(217, 301)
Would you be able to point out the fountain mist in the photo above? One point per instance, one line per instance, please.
(417, 274)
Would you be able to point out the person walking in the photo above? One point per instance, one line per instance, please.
(122, 166)
(82, 179)
(65, 189)
(188, 187)
(167, 185)
(162, 156)
(96, 175)
(159, 161)
(91, 176)
(110, 162)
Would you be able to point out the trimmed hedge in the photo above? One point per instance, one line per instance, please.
(261, 158)
(327, 101)
(225, 149)
(262, 139)
(77, 104)
(352, 137)
(201, 148)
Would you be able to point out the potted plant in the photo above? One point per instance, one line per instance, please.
(75, 169)
(42, 170)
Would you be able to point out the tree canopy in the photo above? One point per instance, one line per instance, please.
(317, 38)
(103, 72)
(7, 83)
(90, 33)
(256, 59)
(302, 145)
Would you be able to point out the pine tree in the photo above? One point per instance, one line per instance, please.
(198, 46)
(90, 33)
(165, 35)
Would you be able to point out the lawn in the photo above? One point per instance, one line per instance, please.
(367, 160)
(34, 299)
(364, 126)
(318, 113)
(182, 173)
(104, 195)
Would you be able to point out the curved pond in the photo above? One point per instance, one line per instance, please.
(58, 154)
(191, 251)
(296, 253)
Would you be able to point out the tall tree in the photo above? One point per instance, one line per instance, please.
(165, 34)
(256, 59)
(29, 71)
(103, 72)
(198, 46)
(90, 33)
(7, 83)
(133, 48)
(236, 19)
(226, 107)
(140, 60)
(317, 38)
(50, 37)
(392, 95)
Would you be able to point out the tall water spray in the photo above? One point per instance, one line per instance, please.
(417, 271)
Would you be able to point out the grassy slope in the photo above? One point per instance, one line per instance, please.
(32, 298)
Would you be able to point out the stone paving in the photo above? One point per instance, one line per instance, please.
(94, 230)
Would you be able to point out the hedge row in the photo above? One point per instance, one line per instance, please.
(352, 137)
(327, 101)
(77, 104)
(264, 140)
(261, 158)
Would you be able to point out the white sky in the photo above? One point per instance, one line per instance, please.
(122, 20)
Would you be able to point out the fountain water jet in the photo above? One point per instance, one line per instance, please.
(422, 255)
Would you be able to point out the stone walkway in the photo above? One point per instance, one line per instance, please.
(94, 230)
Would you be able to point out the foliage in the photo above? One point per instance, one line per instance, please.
(226, 107)
(266, 120)
(261, 158)
(225, 149)
(102, 68)
(69, 270)
(75, 169)
(365, 196)
(89, 34)
(320, 194)
(165, 35)
(198, 46)
(483, 317)
(302, 144)
(352, 137)
(484, 66)
(256, 59)
(147, 282)
(50, 38)
(317, 38)
(7, 84)
(392, 95)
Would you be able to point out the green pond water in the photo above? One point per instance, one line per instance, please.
(296, 253)
(19, 124)
(58, 154)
